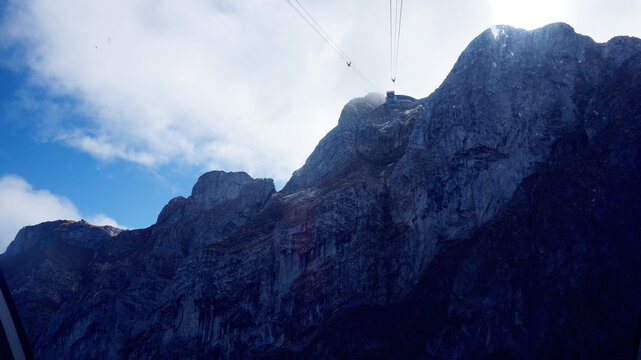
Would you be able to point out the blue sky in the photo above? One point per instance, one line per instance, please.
(96, 186)
(110, 109)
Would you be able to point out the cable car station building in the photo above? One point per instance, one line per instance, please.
(393, 99)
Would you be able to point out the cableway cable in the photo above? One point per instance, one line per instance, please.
(319, 31)
(398, 38)
(309, 19)
(325, 35)
(395, 16)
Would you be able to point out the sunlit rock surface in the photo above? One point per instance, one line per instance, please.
(497, 218)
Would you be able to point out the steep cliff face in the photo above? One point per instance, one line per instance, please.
(90, 289)
(496, 218)
(555, 274)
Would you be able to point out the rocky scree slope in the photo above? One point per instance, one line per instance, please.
(496, 218)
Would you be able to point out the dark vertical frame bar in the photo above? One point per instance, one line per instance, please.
(15, 323)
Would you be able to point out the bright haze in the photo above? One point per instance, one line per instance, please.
(110, 108)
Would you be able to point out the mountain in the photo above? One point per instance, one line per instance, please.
(498, 218)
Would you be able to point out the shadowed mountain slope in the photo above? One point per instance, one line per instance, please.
(497, 218)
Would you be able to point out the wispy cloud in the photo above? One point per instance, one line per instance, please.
(102, 219)
(243, 85)
(21, 205)
(200, 82)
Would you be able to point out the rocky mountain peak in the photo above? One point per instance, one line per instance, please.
(496, 218)
(79, 233)
(217, 189)
(357, 108)
(369, 135)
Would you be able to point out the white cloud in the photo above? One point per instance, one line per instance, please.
(247, 85)
(102, 219)
(21, 205)
(527, 14)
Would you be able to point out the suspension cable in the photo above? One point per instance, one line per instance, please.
(391, 42)
(326, 36)
(317, 30)
(398, 38)
(309, 19)
(358, 72)
(395, 15)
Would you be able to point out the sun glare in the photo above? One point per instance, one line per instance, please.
(527, 14)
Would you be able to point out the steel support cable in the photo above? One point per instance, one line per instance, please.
(358, 72)
(395, 32)
(391, 43)
(396, 15)
(345, 57)
(398, 38)
(328, 40)
(318, 32)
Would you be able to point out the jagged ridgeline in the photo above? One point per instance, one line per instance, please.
(498, 218)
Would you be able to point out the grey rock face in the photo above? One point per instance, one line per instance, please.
(110, 281)
(554, 275)
(418, 230)
(219, 203)
(46, 266)
(80, 233)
